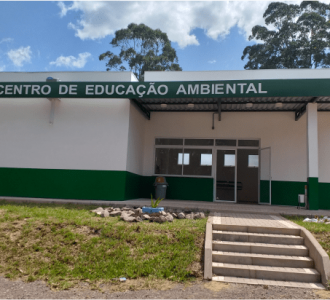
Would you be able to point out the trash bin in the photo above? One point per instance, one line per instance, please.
(160, 187)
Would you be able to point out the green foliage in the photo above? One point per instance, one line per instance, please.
(156, 203)
(142, 49)
(297, 36)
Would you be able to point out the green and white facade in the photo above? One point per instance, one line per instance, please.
(105, 136)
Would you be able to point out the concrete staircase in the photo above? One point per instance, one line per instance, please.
(262, 255)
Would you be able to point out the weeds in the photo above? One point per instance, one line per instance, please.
(65, 244)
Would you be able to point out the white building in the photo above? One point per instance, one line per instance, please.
(256, 136)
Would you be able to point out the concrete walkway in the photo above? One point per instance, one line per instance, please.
(188, 205)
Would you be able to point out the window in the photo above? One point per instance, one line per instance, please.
(253, 161)
(199, 142)
(225, 143)
(169, 141)
(229, 160)
(248, 143)
(196, 168)
(185, 158)
(167, 161)
(206, 159)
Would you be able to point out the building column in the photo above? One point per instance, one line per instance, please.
(312, 157)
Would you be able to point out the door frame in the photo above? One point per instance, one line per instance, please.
(214, 173)
(270, 176)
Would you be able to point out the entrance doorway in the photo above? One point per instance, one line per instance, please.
(237, 175)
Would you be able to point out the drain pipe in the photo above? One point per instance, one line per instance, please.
(219, 113)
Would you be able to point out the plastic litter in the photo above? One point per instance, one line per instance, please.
(314, 220)
(307, 220)
(121, 279)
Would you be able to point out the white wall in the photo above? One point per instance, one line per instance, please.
(135, 155)
(279, 130)
(324, 146)
(90, 134)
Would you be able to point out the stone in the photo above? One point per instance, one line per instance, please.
(104, 214)
(169, 218)
(117, 209)
(97, 209)
(138, 219)
(145, 217)
(160, 219)
(181, 215)
(163, 213)
(190, 216)
(125, 208)
(199, 215)
(109, 209)
(174, 215)
(115, 213)
(327, 223)
(127, 218)
(138, 211)
(99, 212)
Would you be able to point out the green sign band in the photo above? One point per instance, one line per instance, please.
(183, 89)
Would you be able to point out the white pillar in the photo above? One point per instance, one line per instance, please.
(312, 155)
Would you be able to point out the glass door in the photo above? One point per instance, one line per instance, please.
(226, 175)
(265, 186)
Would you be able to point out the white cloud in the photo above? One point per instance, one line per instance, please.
(177, 19)
(20, 56)
(212, 61)
(6, 40)
(71, 61)
(2, 68)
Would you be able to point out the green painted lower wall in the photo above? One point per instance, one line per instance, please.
(183, 188)
(96, 185)
(122, 185)
(313, 193)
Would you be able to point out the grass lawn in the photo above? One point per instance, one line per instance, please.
(66, 244)
(320, 231)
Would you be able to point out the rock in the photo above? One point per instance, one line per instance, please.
(169, 218)
(99, 212)
(125, 208)
(104, 214)
(117, 209)
(163, 213)
(160, 219)
(199, 215)
(138, 219)
(181, 215)
(138, 211)
(115, 213)
(109, 209)
(97, 209)
(190, 216)
(174, 215)
(327, 223)
(127, 218)
(145, 217)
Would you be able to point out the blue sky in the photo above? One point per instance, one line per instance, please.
(69, 36)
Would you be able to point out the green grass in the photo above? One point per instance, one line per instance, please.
(65, 244)
(320, 231)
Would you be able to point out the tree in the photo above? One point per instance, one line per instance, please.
(143, 49)
(298, 37)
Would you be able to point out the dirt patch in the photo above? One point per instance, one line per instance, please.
(216, 286)
(323, 294)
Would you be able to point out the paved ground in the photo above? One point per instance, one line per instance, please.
(244, 219)
(189, 205)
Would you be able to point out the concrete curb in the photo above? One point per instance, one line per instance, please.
(208, 250)
(318, 254)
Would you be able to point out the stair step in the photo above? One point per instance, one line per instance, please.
(257, 229)
(262, 259)
(260, 248)
(305, 285)
(257, 237)
(266, 272)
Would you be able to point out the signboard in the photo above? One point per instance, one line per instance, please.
(177, 89)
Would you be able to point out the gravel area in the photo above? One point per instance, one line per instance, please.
(18, 289)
